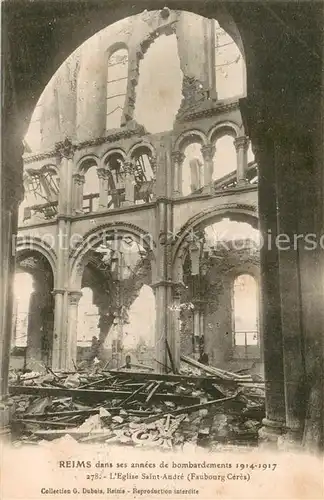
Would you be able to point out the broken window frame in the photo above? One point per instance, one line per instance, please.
(124, 61)
(245, 350)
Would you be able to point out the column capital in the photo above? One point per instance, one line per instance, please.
(74, 297)
(128, 167)
(178, 287)
(102, 172)
(65, 149)
(79, 178)
(208, 151)
(177, 156)
(241, 142)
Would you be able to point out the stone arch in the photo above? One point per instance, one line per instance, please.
(110, 152)
(30, 243)
(80, 254)
(223, 128)
(240, 212)
(190, 136)
(48, 166)
(141, 144)
(114, 47)
(87, 161)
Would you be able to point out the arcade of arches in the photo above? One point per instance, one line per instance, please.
(142, 225)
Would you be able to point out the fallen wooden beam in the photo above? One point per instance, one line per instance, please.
(225, 375)
(97, 395)
(43, 422)
(170, 377)
(201, 406)
(153, 391)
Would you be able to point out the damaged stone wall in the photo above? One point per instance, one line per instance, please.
(74, 102)
(223, 267)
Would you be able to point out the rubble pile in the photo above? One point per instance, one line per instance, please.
(201, 405)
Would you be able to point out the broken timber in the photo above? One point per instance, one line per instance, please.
(98, 395)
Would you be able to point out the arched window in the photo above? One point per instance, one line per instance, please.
(225, 158)
(117, 75)
(192, 169)
(88, 319)
(229, 65)
(116, 179)
(245, 305)
(91, 191)
(143, 164)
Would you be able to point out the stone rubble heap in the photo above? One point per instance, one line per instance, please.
(201, 405)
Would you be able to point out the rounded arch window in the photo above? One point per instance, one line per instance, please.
(91, 187)
(225, 158)
(142, 157)
(245, 308)
(116, 87)
(192, 168)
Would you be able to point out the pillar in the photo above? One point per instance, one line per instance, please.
(165, 340)
(78, 183)
(129, 183)
(175, 312)
(65, 152)
(11, 194)
(34, 334)
(103, 190)
(72, 339)
(177, 161)
(241, 145)
(160, 288)
(208, 153)
(290, 162)
(270, 301)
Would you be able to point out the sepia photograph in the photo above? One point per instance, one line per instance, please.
(162, 249)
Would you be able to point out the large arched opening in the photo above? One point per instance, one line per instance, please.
(33, 312)
(114, 276)
(212, 255)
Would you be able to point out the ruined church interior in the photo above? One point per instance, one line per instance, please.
(150, 162)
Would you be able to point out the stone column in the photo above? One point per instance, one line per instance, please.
(160, 290)
(175, 323)
(11, 194)
(163, 275)
(290, 161)
(57, 327)
(65, 152)
(129, 183)
(70, 351)
(241, 145)
(177, 161)
(208, 153)
(103, 191)
(78, 184)
(34, 334)
(270, 302)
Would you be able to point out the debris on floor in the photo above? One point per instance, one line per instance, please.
(201, 405)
